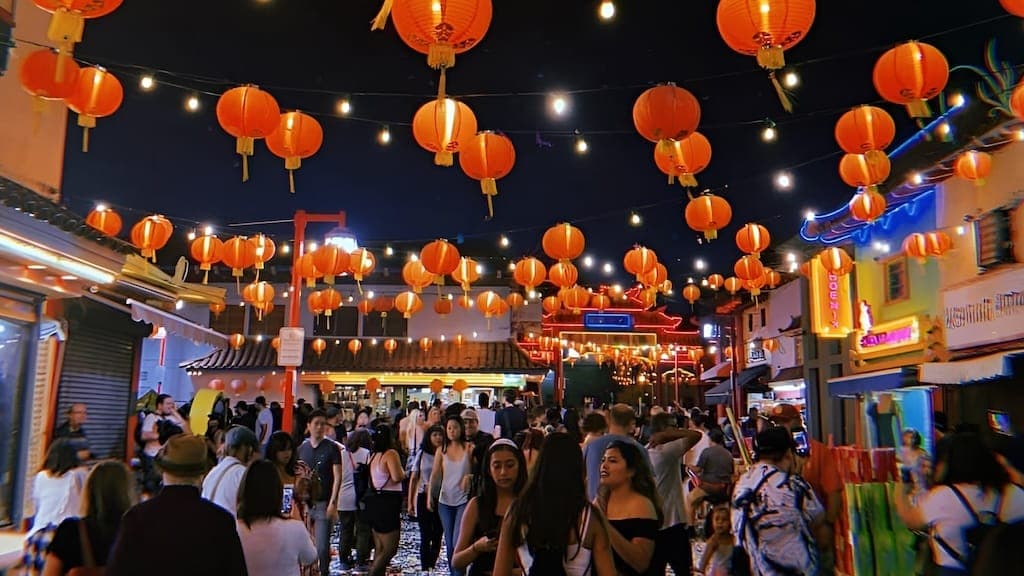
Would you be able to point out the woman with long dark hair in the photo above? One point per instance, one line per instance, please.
(969, 485)
(431, 531)
(551, 528)
(384, 501)
(628, 497)
(504, 475)
(274, 545)
(57, 494)
(453, 472)
(86, 541)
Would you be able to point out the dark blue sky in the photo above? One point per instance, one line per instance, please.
(154, 156)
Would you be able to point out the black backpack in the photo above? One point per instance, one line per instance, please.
(991, 541)
(361, 480)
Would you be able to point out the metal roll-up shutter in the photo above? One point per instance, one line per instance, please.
(98, 369)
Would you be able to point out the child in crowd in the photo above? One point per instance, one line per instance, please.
(719, 553)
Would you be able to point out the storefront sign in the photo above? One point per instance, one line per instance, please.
(985, 312)
(755, 355)
(831, 307)
(608, 321)
(890, 338)
(291, 346)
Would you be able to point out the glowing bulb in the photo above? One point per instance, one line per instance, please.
(791, 80)
(944, 129)
(791, 257)
(413, 257)
(208, 230)
(312, 246)
(192, 103)
(503, 241)
(344, 107)
(369, 295)
(101, 208)
(704, 282)
(389, 251)
(479, 268)
(957, 100)
(559, 105)
(961, 230)
(783, 180)
(608, 269)
(810, 215)
(699, 264)
(689, 280)
(532, 295)
(617, 288)
(1019, 134)
(635, 219)
(588, 261)
(285, 248)
(384, 136)
(793, 267)
(607, 10)
(147, 82)
(511, 266)
(769, 134)
(474, 334)
(581, 146)
(192, 235)
(917, 178)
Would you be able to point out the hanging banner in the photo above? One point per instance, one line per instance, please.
(830, 303)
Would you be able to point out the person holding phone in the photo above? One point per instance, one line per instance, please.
(504, 476)
(274, 544)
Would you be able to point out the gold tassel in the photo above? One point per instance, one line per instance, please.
(86, 122)
(771, 57)
(244, 147)
(671, 179)
(490, 189)
(38, 107)
(442, 85)
(310, 282)
(919, 109)
(787, 104)
(85, 139)
(687, 180)
(359, 286)
(206, 275)
(381, 20)
(291, 164)
(329, 279)
(65, 29)
(444, 158)
(238, 284)
(291, 181)
(440, 55)
(711, 234)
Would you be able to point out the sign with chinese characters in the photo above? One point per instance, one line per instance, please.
(830, 304)
(755, 355)
(608, 321)
(985, 312)
(888, 339)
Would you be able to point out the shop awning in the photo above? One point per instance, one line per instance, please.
(848, 386)
(717, 372)
(1001, 365)
(747, 381)
(177, 325)
(792, 376)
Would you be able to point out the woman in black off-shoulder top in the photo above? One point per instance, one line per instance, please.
(632, 512)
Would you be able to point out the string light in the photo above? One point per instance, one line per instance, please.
(704, 282)
(208, 230)
(917, 178)
(790, 257)
(344, 107)
(608, 268)
(961, 230)
(635, 219)
(769, 132)
(384, 136)
(285, 248)
(957, 100)
(809, 215)
(588, 261)
(413, 257)
(389, 251)
(511, 266)
(503, 241)
(1020, 135)
(147, 82)
(480, 269)
(312, 246)
(784, 180)
(559, 105)
(192, 103)
(791, 80)
(581, 145)
(606, 10)
(191, 235)
(699, 264)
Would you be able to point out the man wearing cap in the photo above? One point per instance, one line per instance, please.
(221, 484)
(178, 532)
(775, 514)
(819, 470)
(481, 441)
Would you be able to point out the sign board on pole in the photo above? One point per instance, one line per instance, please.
(290, 347)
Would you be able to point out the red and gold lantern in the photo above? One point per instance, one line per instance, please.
(563, 274)
(247, 113)
(488, 157)
(865, 128)
(708, 214)
(97, 93)
(666, 112)
(911, 74)
(151, 234)
(753, 239)
(298, 136)
(563, 242)
(442, 126)
(530, 273)
(105, 220)
(207, 251)
(867, 205)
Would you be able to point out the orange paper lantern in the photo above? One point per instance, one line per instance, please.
(436, 386)
(666, 112)
(439, 28)
(684, 158)
(297, 136)
(442, 126)
(390, 345)
(836, 261)
(656, 277)
(426, 344)
(1017, 101)
(239, 385)
(263, 249)
(465, 301)
(151, 234)
(1015, 7)
(275, 342)
(442, 306)
(465, 273)
(459, 385)
(551, 304)
(105, 220)
(639, 261)
(408, 303)
(732, 285)
(97, 93)
(488, 302)
(748, 268)
(530, 273)
(38, 76)
(217, 308)
(247, 113)
(354, 346)
(236, 341)
(716, 281)
(383, 304)
(308, 270)
(238, 254)
(331, 261)
(600, 302)
(691, 293)
(315, 303)
(440, 258)
(563, 242)
(365, 307)
(216, 384)
(753, 239)
(770, 345)
(330, 299)
(708, 214)
(416, 276)
(911, 74)
(974, 166)
(865, 170)
(576, 298)
(361, 263)
(318, 345)
(865, 128)
(648, 298)
(765, 28)
(487, 157)
(867, 205)
(916, 246)
(372, 386)
(207, 251)
(772, 278)
(515, 300)
(938, 243)
(563, 274)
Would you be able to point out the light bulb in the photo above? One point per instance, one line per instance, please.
(581, 146)
(344, 107)
(384, 136)
(635, 219)
(608, 269)
(699, 264)
(769, 134)
(285, 248)
(389, 251)
(192, 235)
(791, 80)
(413, 257)
(917, 178)
(192, 103)
(810, 215)
(208, 230)
(559, 105)
(147, 82)
(588, 261)
(783, 180)
(503, 241)
(606, 10)
(957, 100)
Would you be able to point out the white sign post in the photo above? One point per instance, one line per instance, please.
(290, 347)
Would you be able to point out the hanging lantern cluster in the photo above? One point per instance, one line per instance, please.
(668, 116)
(930, 244)
(67, 22)
(864, 133)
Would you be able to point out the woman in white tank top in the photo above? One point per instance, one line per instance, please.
(549, 530)
(452, 470)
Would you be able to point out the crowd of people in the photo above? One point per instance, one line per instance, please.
(505, 490)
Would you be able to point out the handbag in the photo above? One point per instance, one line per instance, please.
(89, 567)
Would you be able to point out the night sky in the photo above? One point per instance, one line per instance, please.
(152, 155)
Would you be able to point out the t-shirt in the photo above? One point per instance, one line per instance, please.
(322, 460)
(665, 460)
(76, 438)
(486, 418)
(67, 544)
(222, 483)
(349, 500)
(163, 425)
(265, 418)
(276, 547)
(716, 465)
(595, 451)
(948, 517)
(511, 419)
(694, 454)
(56, 497)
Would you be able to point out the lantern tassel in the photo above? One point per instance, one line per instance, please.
(687, 180)
(771, 57)
(238, 285)
(381, 19)
(291, 164)
(711, 234)
(206, 275)
(440, 55)
(784, 99)
(490, 189)
(671, 179)
(244, 146)
(359, 285)
(38, 107)
(919, 109)
(444, 158)
(442, 85)
(85, 139)
(291, 181)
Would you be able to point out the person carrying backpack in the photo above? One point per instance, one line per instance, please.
(971, 512)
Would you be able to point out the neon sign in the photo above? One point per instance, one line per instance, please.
(891, 338)
(831, 307)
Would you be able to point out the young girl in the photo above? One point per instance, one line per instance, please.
(504, 471)
(452, 469)
(717, 558)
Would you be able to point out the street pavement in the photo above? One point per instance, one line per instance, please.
(407, 561)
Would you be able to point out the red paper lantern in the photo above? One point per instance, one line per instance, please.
(440, 28)
(38, 75)
(239, 385)
(216, 384)
(247, 113)
(97, 93)
(105, 220)
(865, 170)
(372, 386)
(911, 74)
(207, 251)
(440, 258)
(708, 214)
(691, 293)
(442, 306)
(865, 128)
(666, 112)
(151, 234)
(416, 275)
(487, 157)
(238, 254)
(753, 239)
(331, 261)
(563, 274)
(974, 166)
(442, 126)
(67, 25)
(684, 158)
(530, 273)
(639, 261)
(563, 242)
(408, 303)
(716, 281)
(765, 28)
(867, 206)
(297, 136)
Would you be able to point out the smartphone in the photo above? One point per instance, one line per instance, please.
(286, 501)
(1000, 423)
(803, 444)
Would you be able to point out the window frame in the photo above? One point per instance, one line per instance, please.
(901, 261)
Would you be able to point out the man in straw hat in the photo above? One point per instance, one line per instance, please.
(177, 531)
